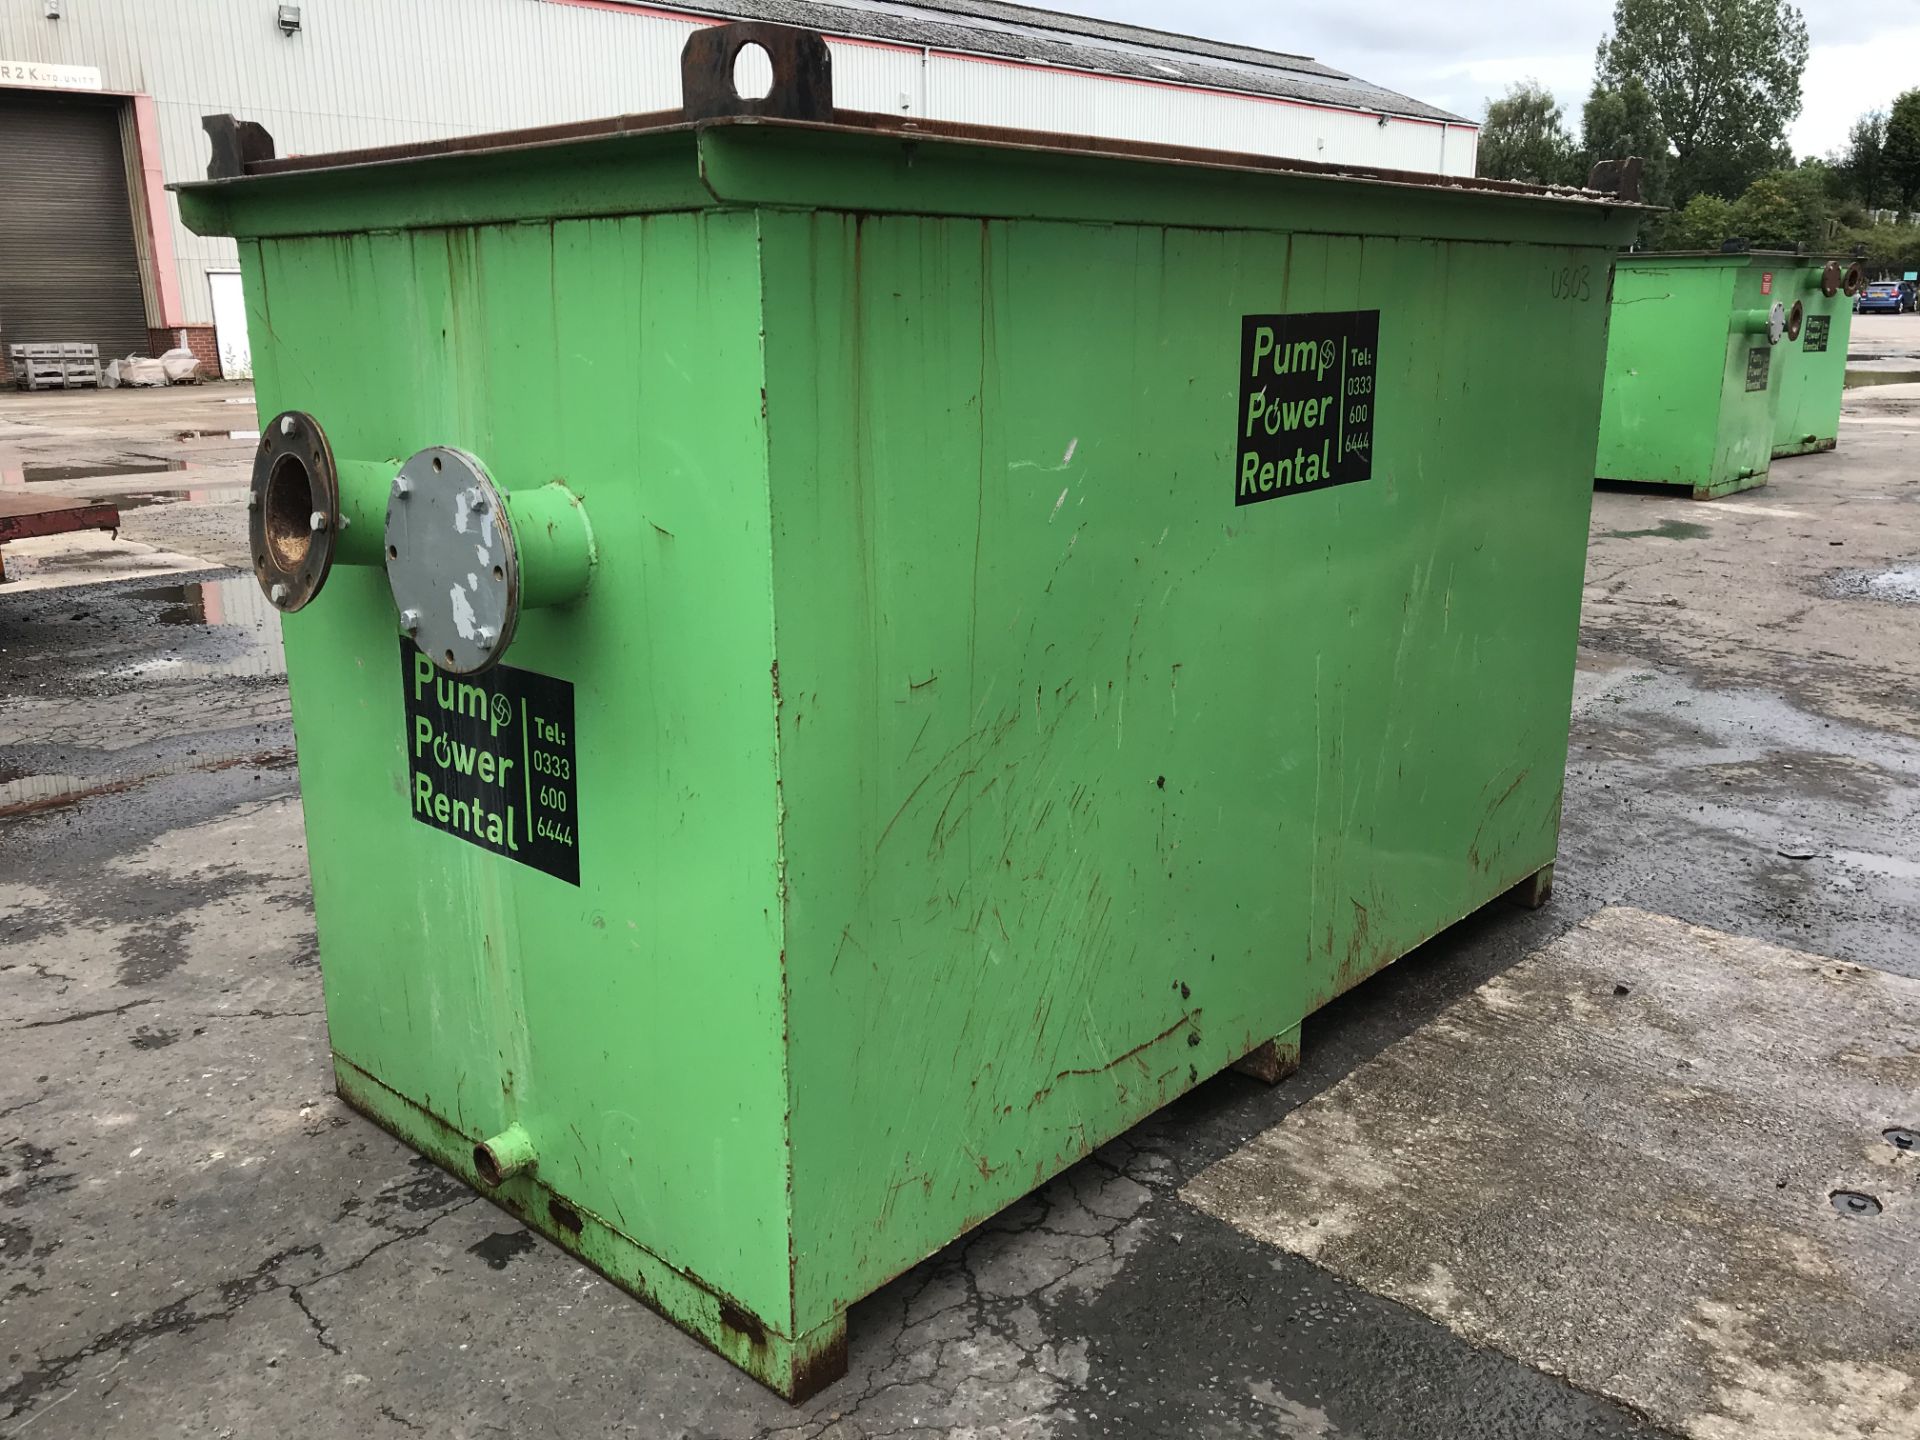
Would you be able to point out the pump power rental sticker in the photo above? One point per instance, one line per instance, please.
(1306, 403)
(491, 759)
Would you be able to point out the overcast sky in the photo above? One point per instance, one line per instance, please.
(1456, 54)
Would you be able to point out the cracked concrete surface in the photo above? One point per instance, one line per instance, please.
(196, 1238)
(1617, 1159)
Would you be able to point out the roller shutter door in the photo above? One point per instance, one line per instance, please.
(69, 271)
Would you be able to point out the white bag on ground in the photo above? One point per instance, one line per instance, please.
(142, 370)
(182, 367)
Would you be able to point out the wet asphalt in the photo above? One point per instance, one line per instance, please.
(1746, 755)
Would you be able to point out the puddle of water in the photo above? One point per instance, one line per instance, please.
(1665, 530)
(34, 791)
(1900, 585)
(212, 495)
(1859, 378)
(233, 606)
(1896, 866)
(44, 474)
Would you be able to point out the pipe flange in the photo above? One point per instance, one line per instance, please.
(1855, 280)
(451, 560)
(1831, 279)
(293, 511)
(1796, 317)
(1776, 323)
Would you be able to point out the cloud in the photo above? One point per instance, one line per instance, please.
(1459, 54)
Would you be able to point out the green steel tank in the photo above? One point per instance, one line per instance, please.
(1695, 360)
(838, 663)
(1814, 369)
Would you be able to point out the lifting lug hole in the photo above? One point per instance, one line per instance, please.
(752, 72)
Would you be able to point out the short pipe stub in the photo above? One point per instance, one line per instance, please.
(506, 1155)
(1855, 281)
(452, 563)
(293, 511)
(1831, 279)
(1796, 317)
(1771, 323)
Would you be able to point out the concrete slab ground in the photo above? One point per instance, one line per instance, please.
(200, 1241)
(1657, 1159)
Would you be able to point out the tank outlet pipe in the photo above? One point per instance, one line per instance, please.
(506, 1155)
(555, 544)
(308, 511)
(466, 557)
(1771, 323)
(363, 510)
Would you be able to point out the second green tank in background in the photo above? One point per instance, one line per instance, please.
(1693, 373)
(1814, 367)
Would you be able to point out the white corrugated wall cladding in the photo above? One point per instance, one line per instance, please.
(381, 72)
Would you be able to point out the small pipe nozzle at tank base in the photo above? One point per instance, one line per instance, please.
(506, 1155)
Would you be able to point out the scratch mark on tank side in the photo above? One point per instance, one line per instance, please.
(846, 939)
(1313, 831)
(1186, 1020)
(943, 836)
(1474, 858)
(938, 841)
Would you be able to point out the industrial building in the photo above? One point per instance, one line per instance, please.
(101, 102)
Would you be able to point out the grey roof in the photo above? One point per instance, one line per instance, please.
(1017, 32)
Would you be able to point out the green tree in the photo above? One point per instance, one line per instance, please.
(1525, 138)
(1619, 122)
(1701, 224)
(1724, 78)
(1864, 159)
(1886, 248)
(1808, 190)
(1902, 152)
(1766, 215)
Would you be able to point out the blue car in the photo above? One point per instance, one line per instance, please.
(1882, 295)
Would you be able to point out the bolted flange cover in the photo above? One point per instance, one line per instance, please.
(451, 560)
